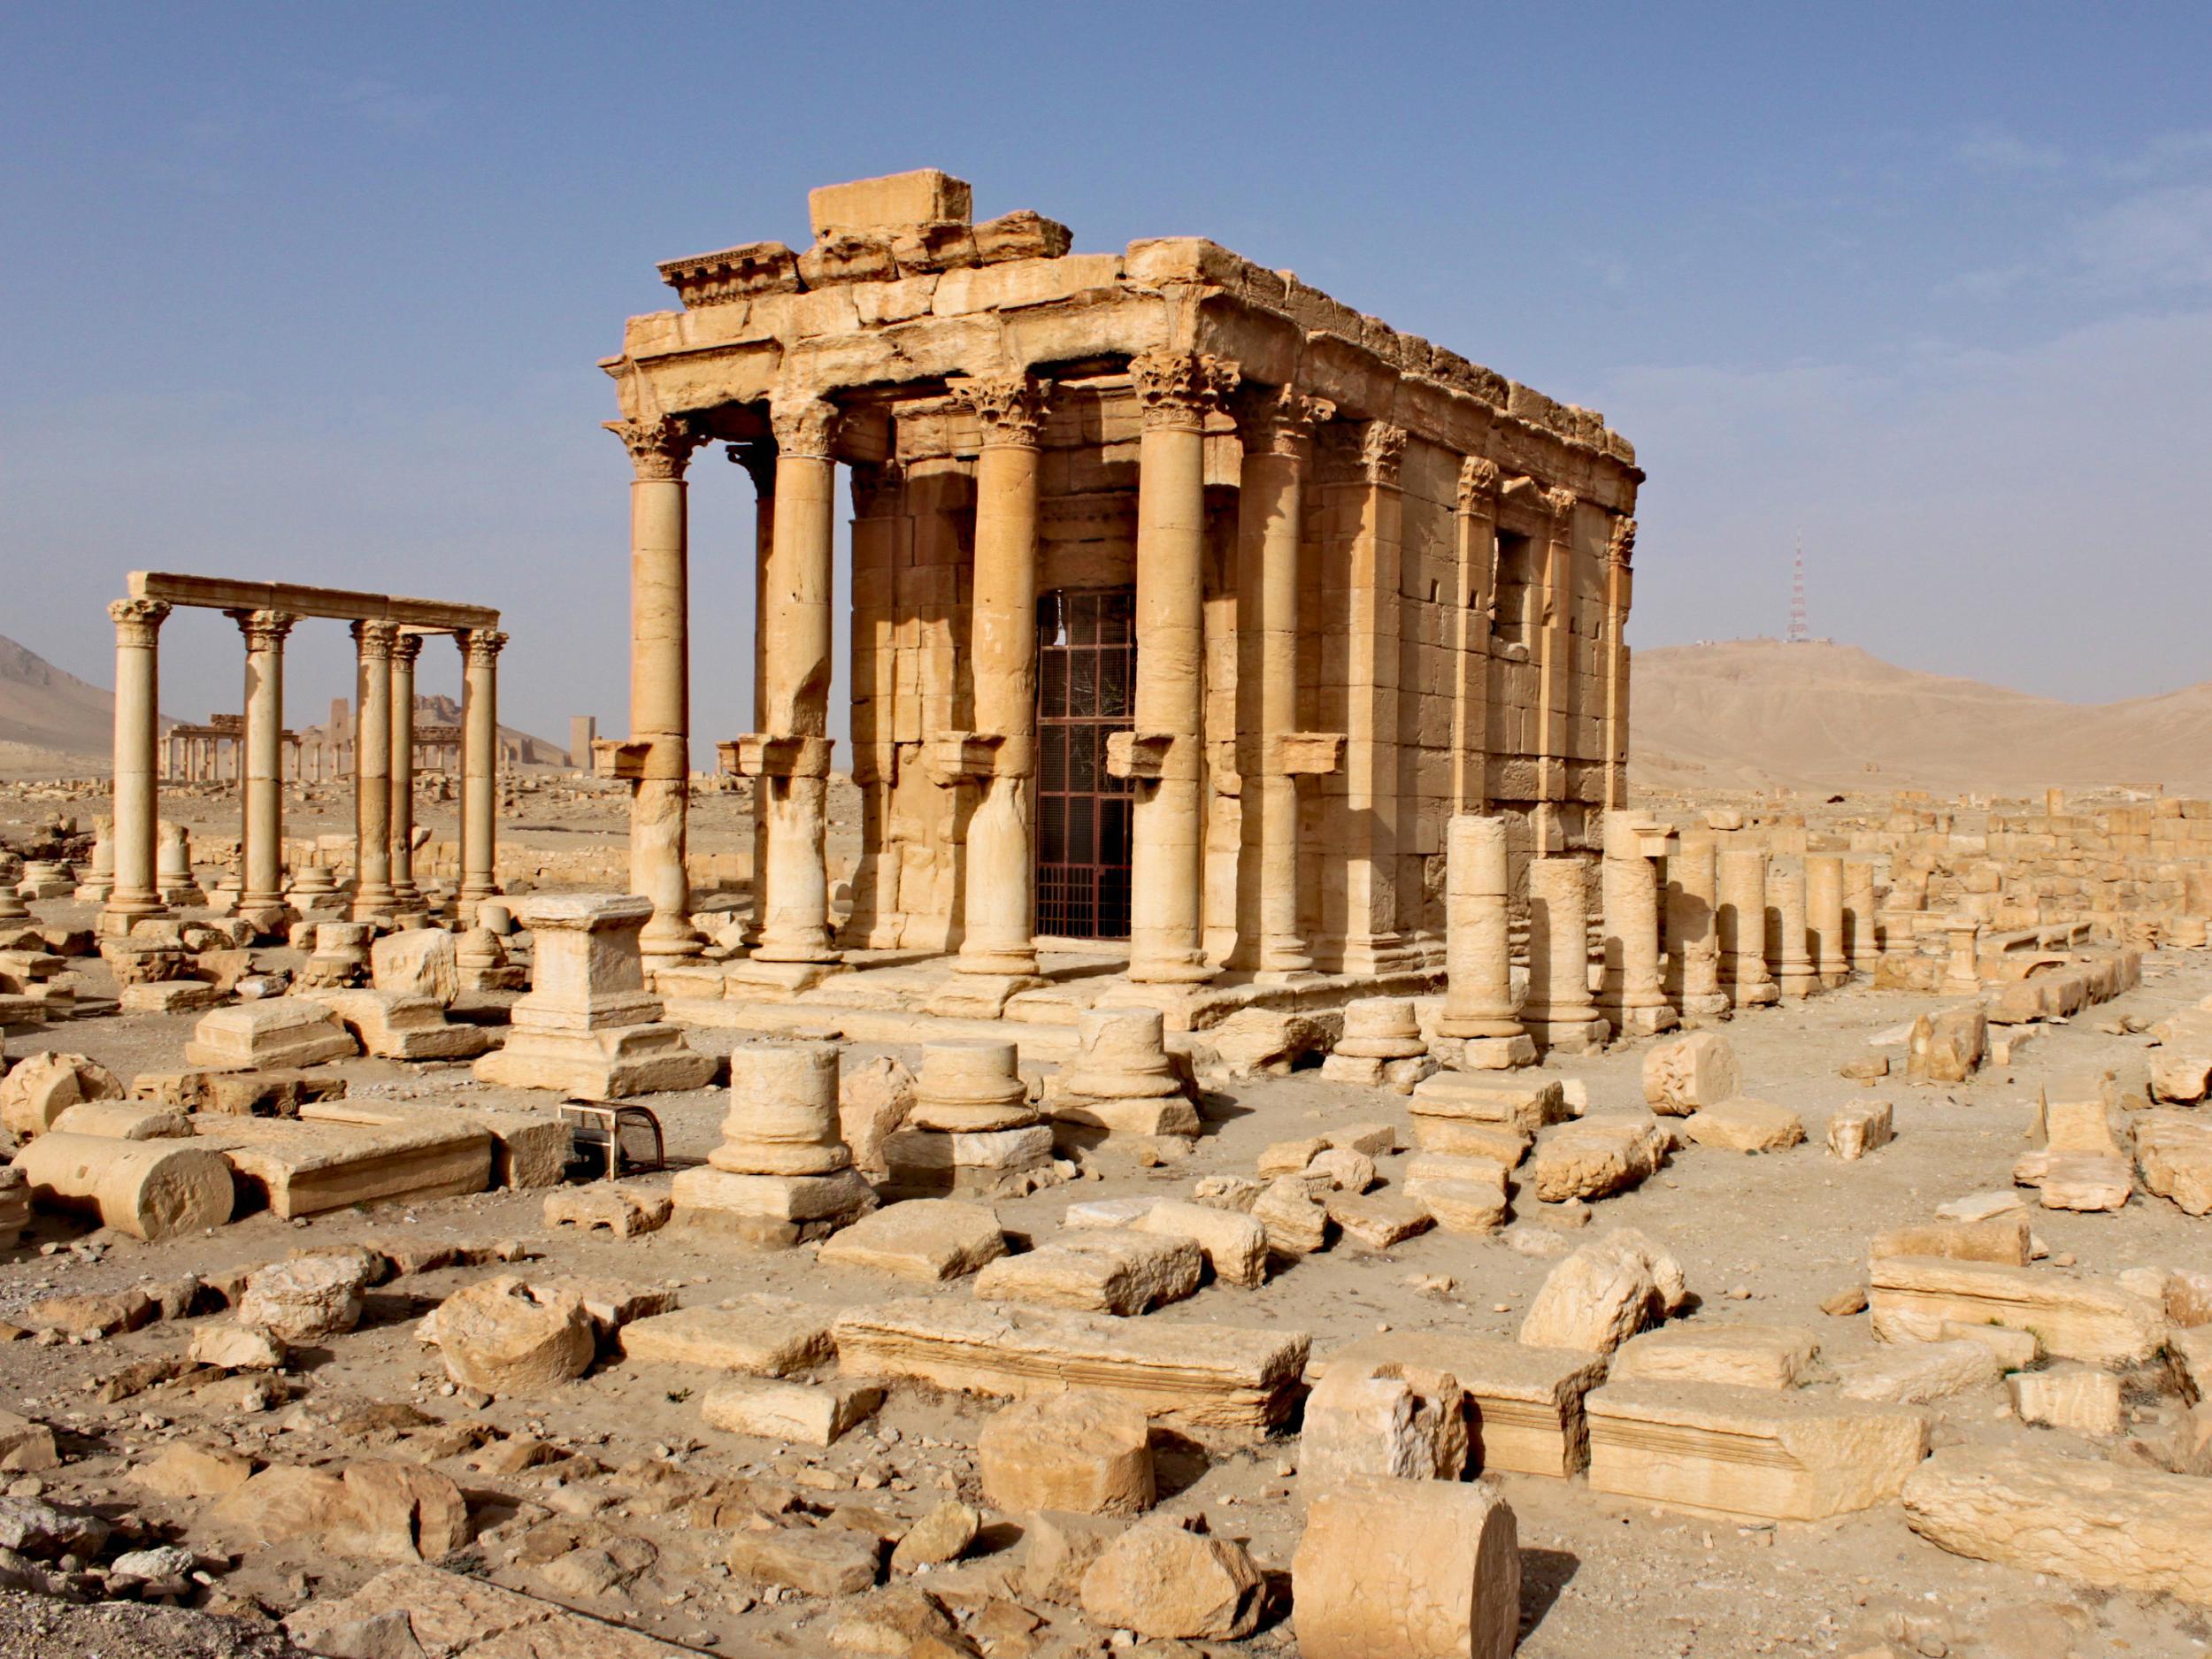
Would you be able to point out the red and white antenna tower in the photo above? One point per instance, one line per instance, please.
(1800, 631)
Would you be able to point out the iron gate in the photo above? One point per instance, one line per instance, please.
(1087, 680)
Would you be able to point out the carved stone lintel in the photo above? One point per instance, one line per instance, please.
(759, 458)
(1280, 419)
(1011, 408)
(660, 446)
(482, 646)
(138, 621)
(262, 630)
(374, 639)
(1479, 482)
(1620, 547)
(804, 427)
(1177, 390)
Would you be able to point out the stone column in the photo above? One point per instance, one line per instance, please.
(1741, 886)
(758, 459)
(999, 892)
(1476, 526)
(1823, 917)
(1560, 1012)
(1693, 976)
(1630, 997)
(406, 895)
(1479, 1011)
(372, 894)
(1556, 681)
(137, 798)
(794, 648)
(1791, 962)
(1276, 426)
(1620, 584)
(1176, 391)
(479, 765)
(660, 449)
(1862, 939)
(261, 833)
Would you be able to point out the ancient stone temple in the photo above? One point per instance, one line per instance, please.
(1187, 604)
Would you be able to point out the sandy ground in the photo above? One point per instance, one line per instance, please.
(1765, 1237)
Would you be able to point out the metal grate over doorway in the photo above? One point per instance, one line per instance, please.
(1087, 680)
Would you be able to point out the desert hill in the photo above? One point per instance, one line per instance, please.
(1751, 713)
(47, 716)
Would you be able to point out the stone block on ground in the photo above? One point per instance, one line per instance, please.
(1234, 1246)
(1390, 1417)
(421, 1609)
(306, 1299)
(507, 1337)
(419, 962)
(1858, 1129)
(2095, 1522)
(1690, 1073)
(1161, 1581)
(1605, 1292)
(39, 1088)
(1998, 1238)
(283, 1030)
(804, 1414)
(1524, 1404)
(1107, 1271)
(1391, 1569)
(1914, 1373)
(1947, 1047)
(2174, 1152)
(399, 1025)
(340, 1153)
(530, 1149)
(1081, 1453)
(819, 1561)
(1913, 1297)
(1464, 1194)
(1742, 1355)
(1296, 1222)
(624, 1210)
(2076, 1182)
(1746, 1125)
(1750, 1453)
(764, 1336)
(2084, 1399)
(1378, 1220)
(928, 1238)
(123, 1120)
(1197, 1375)
(1527, 1105)
(1595, 1158)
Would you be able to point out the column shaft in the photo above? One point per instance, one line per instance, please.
(1560, 1012)
(1631, 996)
(261, 837)
(759, 462)
(1788, 957)
(1823, 917)
(1741, 879)
(137, 797)
(1863, 942)
(1478, 939)
(479, 765)
(1693, 976)
(372, 894)
(406, 649)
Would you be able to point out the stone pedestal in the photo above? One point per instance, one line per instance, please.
(1480, 1015)
(971, 1131)
(588, 1028)
(1823, 918)
(1561, 1013)
(98, 881)
(1741, 882)
(1381, 1047)
(781, 1176)
(1693, 976)
(1787, 956)
(173, 867)
(1961, 972)
(1630, 994)
(1862, 934)
(1123, 1083)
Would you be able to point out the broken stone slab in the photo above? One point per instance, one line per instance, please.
(1097, 1272)
(1289, 1158)
(232, 1348)
(422, 1609)
(1980, 1206)
(505, 1336)
(170, 996)
(1742, 1355)
(926, 1163)
(185, 1471)
(124, 1120)
(1343, 1170)
(2181, 1065)
(1161, 1581)
(1748, 1453)
(530, 1149)
(384, 1511)
(1449, 1137)
(1080, 1453)
(2004, 1238)
(1527, 1106)
(1463, 1194)
(805, 1414)
(1595, 1157)
(1745, 1126)
(1691, 1073)
(403, 1026)
(258, 1094)
(2076, 1182)
(40, 1088)
(1947, 1048)
(930, 1240)
(2095, 1522)
(1192, 1374)
(819, 1561)
(1605, 1292)
(776, 1212)
(1297, 1224)
(623, 1209)
(150, 1189)
(1390, 1417)
(1378, 1220)
(1234, 1246)
(1396, 1570)
(283, 1030)
(1861, 1128)
(338, 1153)
(1914, 1373)
(2174, 1152)
(1913, 1297)
(873, 1102)
(308, 1300)
(1524, 1403)
(418, 961)
(764, 1336)
(2084, 1399)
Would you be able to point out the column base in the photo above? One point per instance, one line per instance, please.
(1307, 975)
(1796, 982)
(1169, 971)
(116, 921)
(973, 995)
(1760, 996)
(1571, 1033)
(984, 962)
(1959, 987)
(676, 939)
(1642, 1022)
(787, 979)
(1488, 1054)
(1706, 1008)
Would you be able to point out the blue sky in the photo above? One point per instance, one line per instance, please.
(318, 293)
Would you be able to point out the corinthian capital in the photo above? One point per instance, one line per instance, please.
(757, 457)
(1177, 390)
(804, 425)
(374, 641)
(482, 646)
(407, 648)
(1620, 546)
(660, 446)
(1381, 447)
(264, 630)
(1561, 502)
(138, 621)
(1011, 408)
(1479, 480)
(1279, 419)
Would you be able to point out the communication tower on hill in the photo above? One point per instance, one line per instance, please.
(1800, 631)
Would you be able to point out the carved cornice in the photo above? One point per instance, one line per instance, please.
(264, 630)
(481, 647)
(1177, 390)
(406, 648)
(1561, 505)
(1620, 547)
(1382, 447)
(138, 621)
(804, 427)
(1479, 482)
(1280, 419)
(373, 641)
(660, 446)
(1011, 408)
(757, 457)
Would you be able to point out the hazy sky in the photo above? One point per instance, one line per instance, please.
(317, 294)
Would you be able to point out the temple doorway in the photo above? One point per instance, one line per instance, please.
(1087, 680)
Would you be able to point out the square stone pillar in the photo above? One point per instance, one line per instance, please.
(372, 894)
(136, 796)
